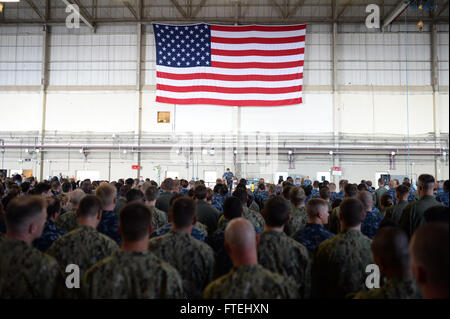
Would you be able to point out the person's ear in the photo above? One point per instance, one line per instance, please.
(195, 220)
(257, 239)
(227, 248)
(150, 229)
(419, 274)
(363, 216)
(99, 215)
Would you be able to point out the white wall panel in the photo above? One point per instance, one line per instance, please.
(20, 111)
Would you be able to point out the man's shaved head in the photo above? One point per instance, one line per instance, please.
(240, 235)
(76, 196)
(390, 246)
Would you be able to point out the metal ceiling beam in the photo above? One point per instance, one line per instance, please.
(179, 8)
(198, 8)
(294, 10)
(396, 12)
(35, 9)
(346, 5)
(445, 6)
(277, 8)
(130, 7)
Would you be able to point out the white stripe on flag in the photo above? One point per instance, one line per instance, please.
(227, 96)
(253, 58)
(258, 34)
(257, 46)
(231, 84)
(206, 69)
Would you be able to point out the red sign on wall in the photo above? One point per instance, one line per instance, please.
(135, 167)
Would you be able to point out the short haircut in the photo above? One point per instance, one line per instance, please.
(135, 220)
(429, 248)
(439, 213)
(362, 187)
(89, 206)
(55, 185)
(76, 196)
(41, 188)
(276, 211)
(200, 192)
(209, 194)
(381, 181)
(386, 200)
(325, 193)
(297, 195)
(402, 190)
(124, 190)
(223, 190)
(426, 181)
(369, 183)
(261, 187)
(129, 182)
(272, 188)
(174, 198)
(183, 212)
(315, 184)
(167, 184)
(352, 212)
(232, 208)
(446, 186)
(53, 207)
(241, 194)
(342, 183)
(286, 191)
(391, 244)
(22, 211)
(151, 193)
(336, 202)
(66, 187)
(107, 193)
(350, 190)
(134, 194)
(313, 207)
(366, 199)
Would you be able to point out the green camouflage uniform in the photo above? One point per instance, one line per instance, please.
(405, 288)
(339, 265)
(297, 222)
(67, 221)
(159, 217)
(377, 196)
(395, 212)
(25, 272)
(84, 246)
(254, 217)
(127, 274)
(281, 254)
(251, 282)
(201, 227)
(121, 202)
(334, 225)
(254, 206)
(412, 216)
(191, 257)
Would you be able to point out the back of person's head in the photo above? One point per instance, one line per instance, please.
(276, 211)
(352, 212)
(53, 207)
(325, 193)
(124, 189)
(76, 196)
(315, 206)
(41, 188)
(21, 212)
(56, 185)
(184, 183)
(429, 254)
(135, 220)
(240, 237)
(336, 202)
(183, 212)
(286, 183)
(381, 181)
(439, 213)
(129, 182)
(286, 191)
(66, 187)
(447, 186)
(366, 199)
(134, 194)
(167, 184)
(25, 186)
(86, 186)
(316, 184)
(342, 183)
(232, 208)
(151, 194)
(200, 192)
(17, 178)
(261, 187)
(89, 206)
(386, 200)
(271, 188)
(308, 190)
(297, 196)
(209, 194)
(402, 190)
(362, 187)
(106, 193)
(217, 187)
(350, 190)
(426, 182)
(241, 194)
(390, 248)
(223, 190)
(369, 184)
(174, 198)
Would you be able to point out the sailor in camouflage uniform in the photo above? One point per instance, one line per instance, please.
(339, 264)
(163, 200)
(68, 221)
(159, 217)
(298, 217)
(191, 257)
(371, 221)
(281, 254)
(247, 279)
(109, 224)
(84, 246)
(350, 191)
(314, 232)
(390, 253)
(395, 212)
(413, 214)
(25, 272)
(133, 271)
(51, 231)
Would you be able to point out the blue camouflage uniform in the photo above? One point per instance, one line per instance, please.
(340, 195)
(391, 192)
(109, 225)
(217, 201)
(370, 224)
(312, 235)
(50, 233)
(332, 196)
(307, 182)
(443, 198)
(196, 233)
(260, 198)
(314, 194)
(184, 191)
(411, 197)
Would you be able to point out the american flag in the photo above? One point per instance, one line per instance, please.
(250, 65)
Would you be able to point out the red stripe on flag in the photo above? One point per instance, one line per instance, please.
(256, 65)
(258, 40)
(258, 28)
(257, 52)
(220, 89)
(162, 99)
(225, 77)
